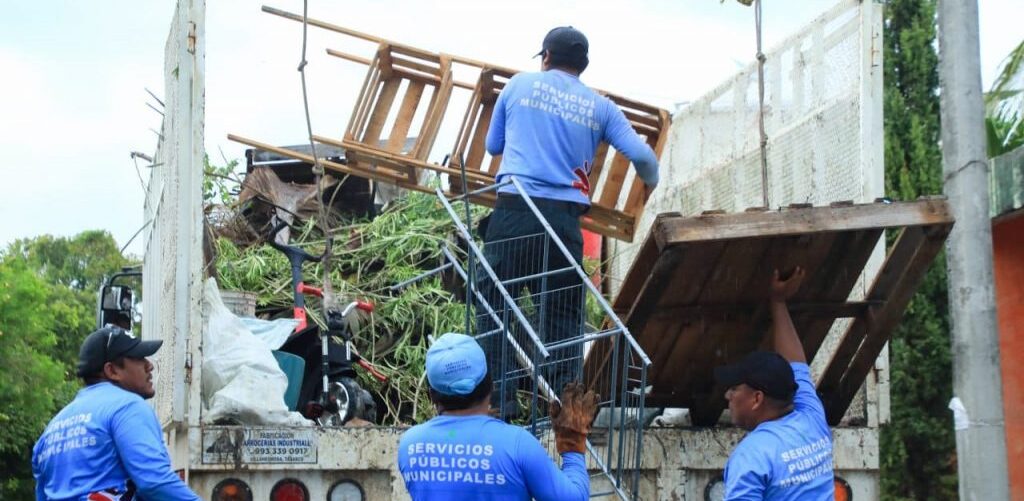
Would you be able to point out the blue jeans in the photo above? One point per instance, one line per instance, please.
(516, 245)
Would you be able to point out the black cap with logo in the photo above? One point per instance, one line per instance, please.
(766, 371)
(109, 344)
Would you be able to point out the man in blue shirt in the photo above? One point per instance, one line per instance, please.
(464, 453)
(547, 126)
(106, 444)
(788, 453)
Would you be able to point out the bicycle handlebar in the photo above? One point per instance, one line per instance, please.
(290, 250)
(362, 305)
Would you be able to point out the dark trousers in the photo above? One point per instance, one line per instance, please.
(516, 245)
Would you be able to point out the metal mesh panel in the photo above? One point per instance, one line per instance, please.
(822, 119)
(530, 300)
(814, 119)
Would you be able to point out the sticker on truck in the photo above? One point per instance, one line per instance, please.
(259, 446)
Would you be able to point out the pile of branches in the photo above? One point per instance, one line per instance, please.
(368, 257)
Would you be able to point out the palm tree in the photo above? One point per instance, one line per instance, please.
(1005, 105)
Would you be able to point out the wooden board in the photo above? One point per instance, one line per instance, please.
(696, 297)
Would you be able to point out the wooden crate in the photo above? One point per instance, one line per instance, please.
(375, 138)
(470, 142)
(616, 205)
(696, 295)
(420, 79)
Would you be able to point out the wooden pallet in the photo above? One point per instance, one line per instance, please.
(695, 297)
(411, 74)
(421, 82)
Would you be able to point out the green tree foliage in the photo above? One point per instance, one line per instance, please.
(78, 265)
(1005, 105)
(220, 182)
(917, 446)
(32, 383)
(1004, 102)
(48, 288)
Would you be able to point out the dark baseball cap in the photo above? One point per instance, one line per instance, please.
(108, 344)
(766, 371)
(568, 42)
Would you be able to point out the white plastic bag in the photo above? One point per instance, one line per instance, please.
(241, 379)
(273, 333)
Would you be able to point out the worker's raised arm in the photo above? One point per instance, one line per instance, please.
(621, 135)
(785, 339)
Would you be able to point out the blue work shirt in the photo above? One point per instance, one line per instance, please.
(547, 126)
(789, 458)
(103, 438)
(482, 458)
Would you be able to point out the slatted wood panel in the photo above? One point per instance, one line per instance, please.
(616, 204)
(696, 297)
(414, 80)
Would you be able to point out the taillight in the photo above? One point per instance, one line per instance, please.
(715, 490)
(289, 489)
(232, 489)
(346, 490)
(843, 490)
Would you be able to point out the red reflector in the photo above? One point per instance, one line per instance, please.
(232, 489)
(289, 489)
(843, 490)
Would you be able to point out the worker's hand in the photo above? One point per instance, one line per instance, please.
(782, 290)
(572, 418)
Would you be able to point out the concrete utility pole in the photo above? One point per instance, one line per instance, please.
(980, 438)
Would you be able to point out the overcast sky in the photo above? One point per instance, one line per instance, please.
(73, 103)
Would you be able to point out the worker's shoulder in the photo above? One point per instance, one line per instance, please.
(107, 398)
(757, 448)
(526, 75)
(417, 430)
(794, 429)
(768, 436)
(764, 437)
(455, 428)
(103, 395)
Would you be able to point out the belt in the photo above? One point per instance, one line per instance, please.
(516, 202)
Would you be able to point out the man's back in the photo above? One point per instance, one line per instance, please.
(76, 455)
(479, 457)
(93, 443)
(547, 125)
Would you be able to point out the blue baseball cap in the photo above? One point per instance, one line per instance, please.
(455, 364)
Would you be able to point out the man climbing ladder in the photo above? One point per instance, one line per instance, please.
(547, 126)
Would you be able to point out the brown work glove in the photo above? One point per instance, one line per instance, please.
(571, 419)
